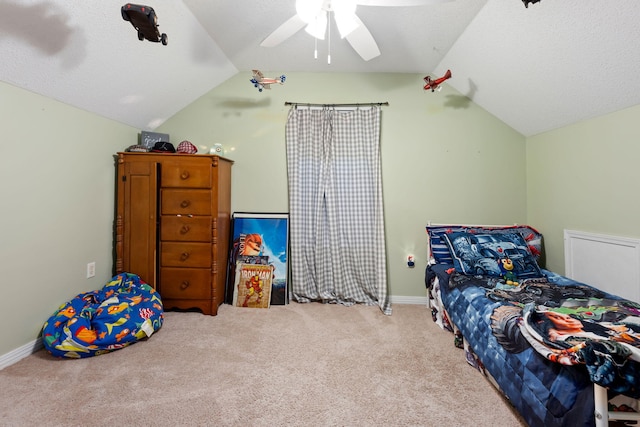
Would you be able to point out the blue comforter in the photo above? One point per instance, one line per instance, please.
(544, 392)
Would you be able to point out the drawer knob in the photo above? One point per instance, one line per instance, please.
(185, 203)
(185, 229)
(184, 175)
(184, 285)
(184, 256)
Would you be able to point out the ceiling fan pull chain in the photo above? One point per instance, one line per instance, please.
(329, 38)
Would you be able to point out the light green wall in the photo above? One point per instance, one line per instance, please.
(444, 159)
(585, 177)
(439, 152)
(57, 193)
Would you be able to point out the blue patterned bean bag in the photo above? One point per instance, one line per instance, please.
(123, 312)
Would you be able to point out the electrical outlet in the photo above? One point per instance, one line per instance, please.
(411, 261)
(91, 269)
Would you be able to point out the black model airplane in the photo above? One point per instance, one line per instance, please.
(526, 2)
(145, 21)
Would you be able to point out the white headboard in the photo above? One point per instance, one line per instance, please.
(610, 263)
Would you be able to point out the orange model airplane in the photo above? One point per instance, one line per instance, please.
(262, 82)
(433, 84)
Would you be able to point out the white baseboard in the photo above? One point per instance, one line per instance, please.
(19, 353)
(409, 300)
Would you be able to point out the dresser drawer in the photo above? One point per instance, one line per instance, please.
(185, 202)
(186, 228)
(193, 174)
(178, 254)
(185, 283)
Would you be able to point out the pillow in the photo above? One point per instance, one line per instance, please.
(481, 253)
(531, 236)
(439, 250)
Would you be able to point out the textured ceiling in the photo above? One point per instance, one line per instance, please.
(554, 63)
(411, 39)
(86, 55)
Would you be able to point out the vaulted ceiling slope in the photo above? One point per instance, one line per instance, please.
(554, 63)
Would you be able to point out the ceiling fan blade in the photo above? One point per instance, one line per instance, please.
(362, 41)
(399, 2)
(284, 31)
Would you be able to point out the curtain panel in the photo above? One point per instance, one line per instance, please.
(338, 252)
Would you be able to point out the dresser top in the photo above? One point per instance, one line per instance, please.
(167, 156)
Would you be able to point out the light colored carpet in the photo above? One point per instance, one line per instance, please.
(294, 365)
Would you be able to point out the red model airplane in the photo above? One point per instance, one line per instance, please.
(433, 84)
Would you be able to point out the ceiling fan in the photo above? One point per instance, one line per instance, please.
(315, 15)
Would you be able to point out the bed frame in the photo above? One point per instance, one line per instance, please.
(602, 414)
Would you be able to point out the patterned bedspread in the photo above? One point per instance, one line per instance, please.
(582, 326)
(545, 371)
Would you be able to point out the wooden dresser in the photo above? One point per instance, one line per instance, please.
(172, 225)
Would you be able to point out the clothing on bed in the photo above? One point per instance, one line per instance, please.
(601, 333)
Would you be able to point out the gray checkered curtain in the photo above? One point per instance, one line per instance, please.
(336, 216)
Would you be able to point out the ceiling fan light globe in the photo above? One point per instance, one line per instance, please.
(318, 26)
(315, 32)
(307, 10)
(346, 23)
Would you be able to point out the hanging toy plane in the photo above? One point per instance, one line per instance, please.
(526, 2)
(145, 21)
(434, 84)
(262, 82)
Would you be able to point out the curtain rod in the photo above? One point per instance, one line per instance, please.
(306, 104)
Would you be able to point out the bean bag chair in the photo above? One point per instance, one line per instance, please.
(123, 312)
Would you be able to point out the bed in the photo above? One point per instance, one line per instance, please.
(563, 353)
